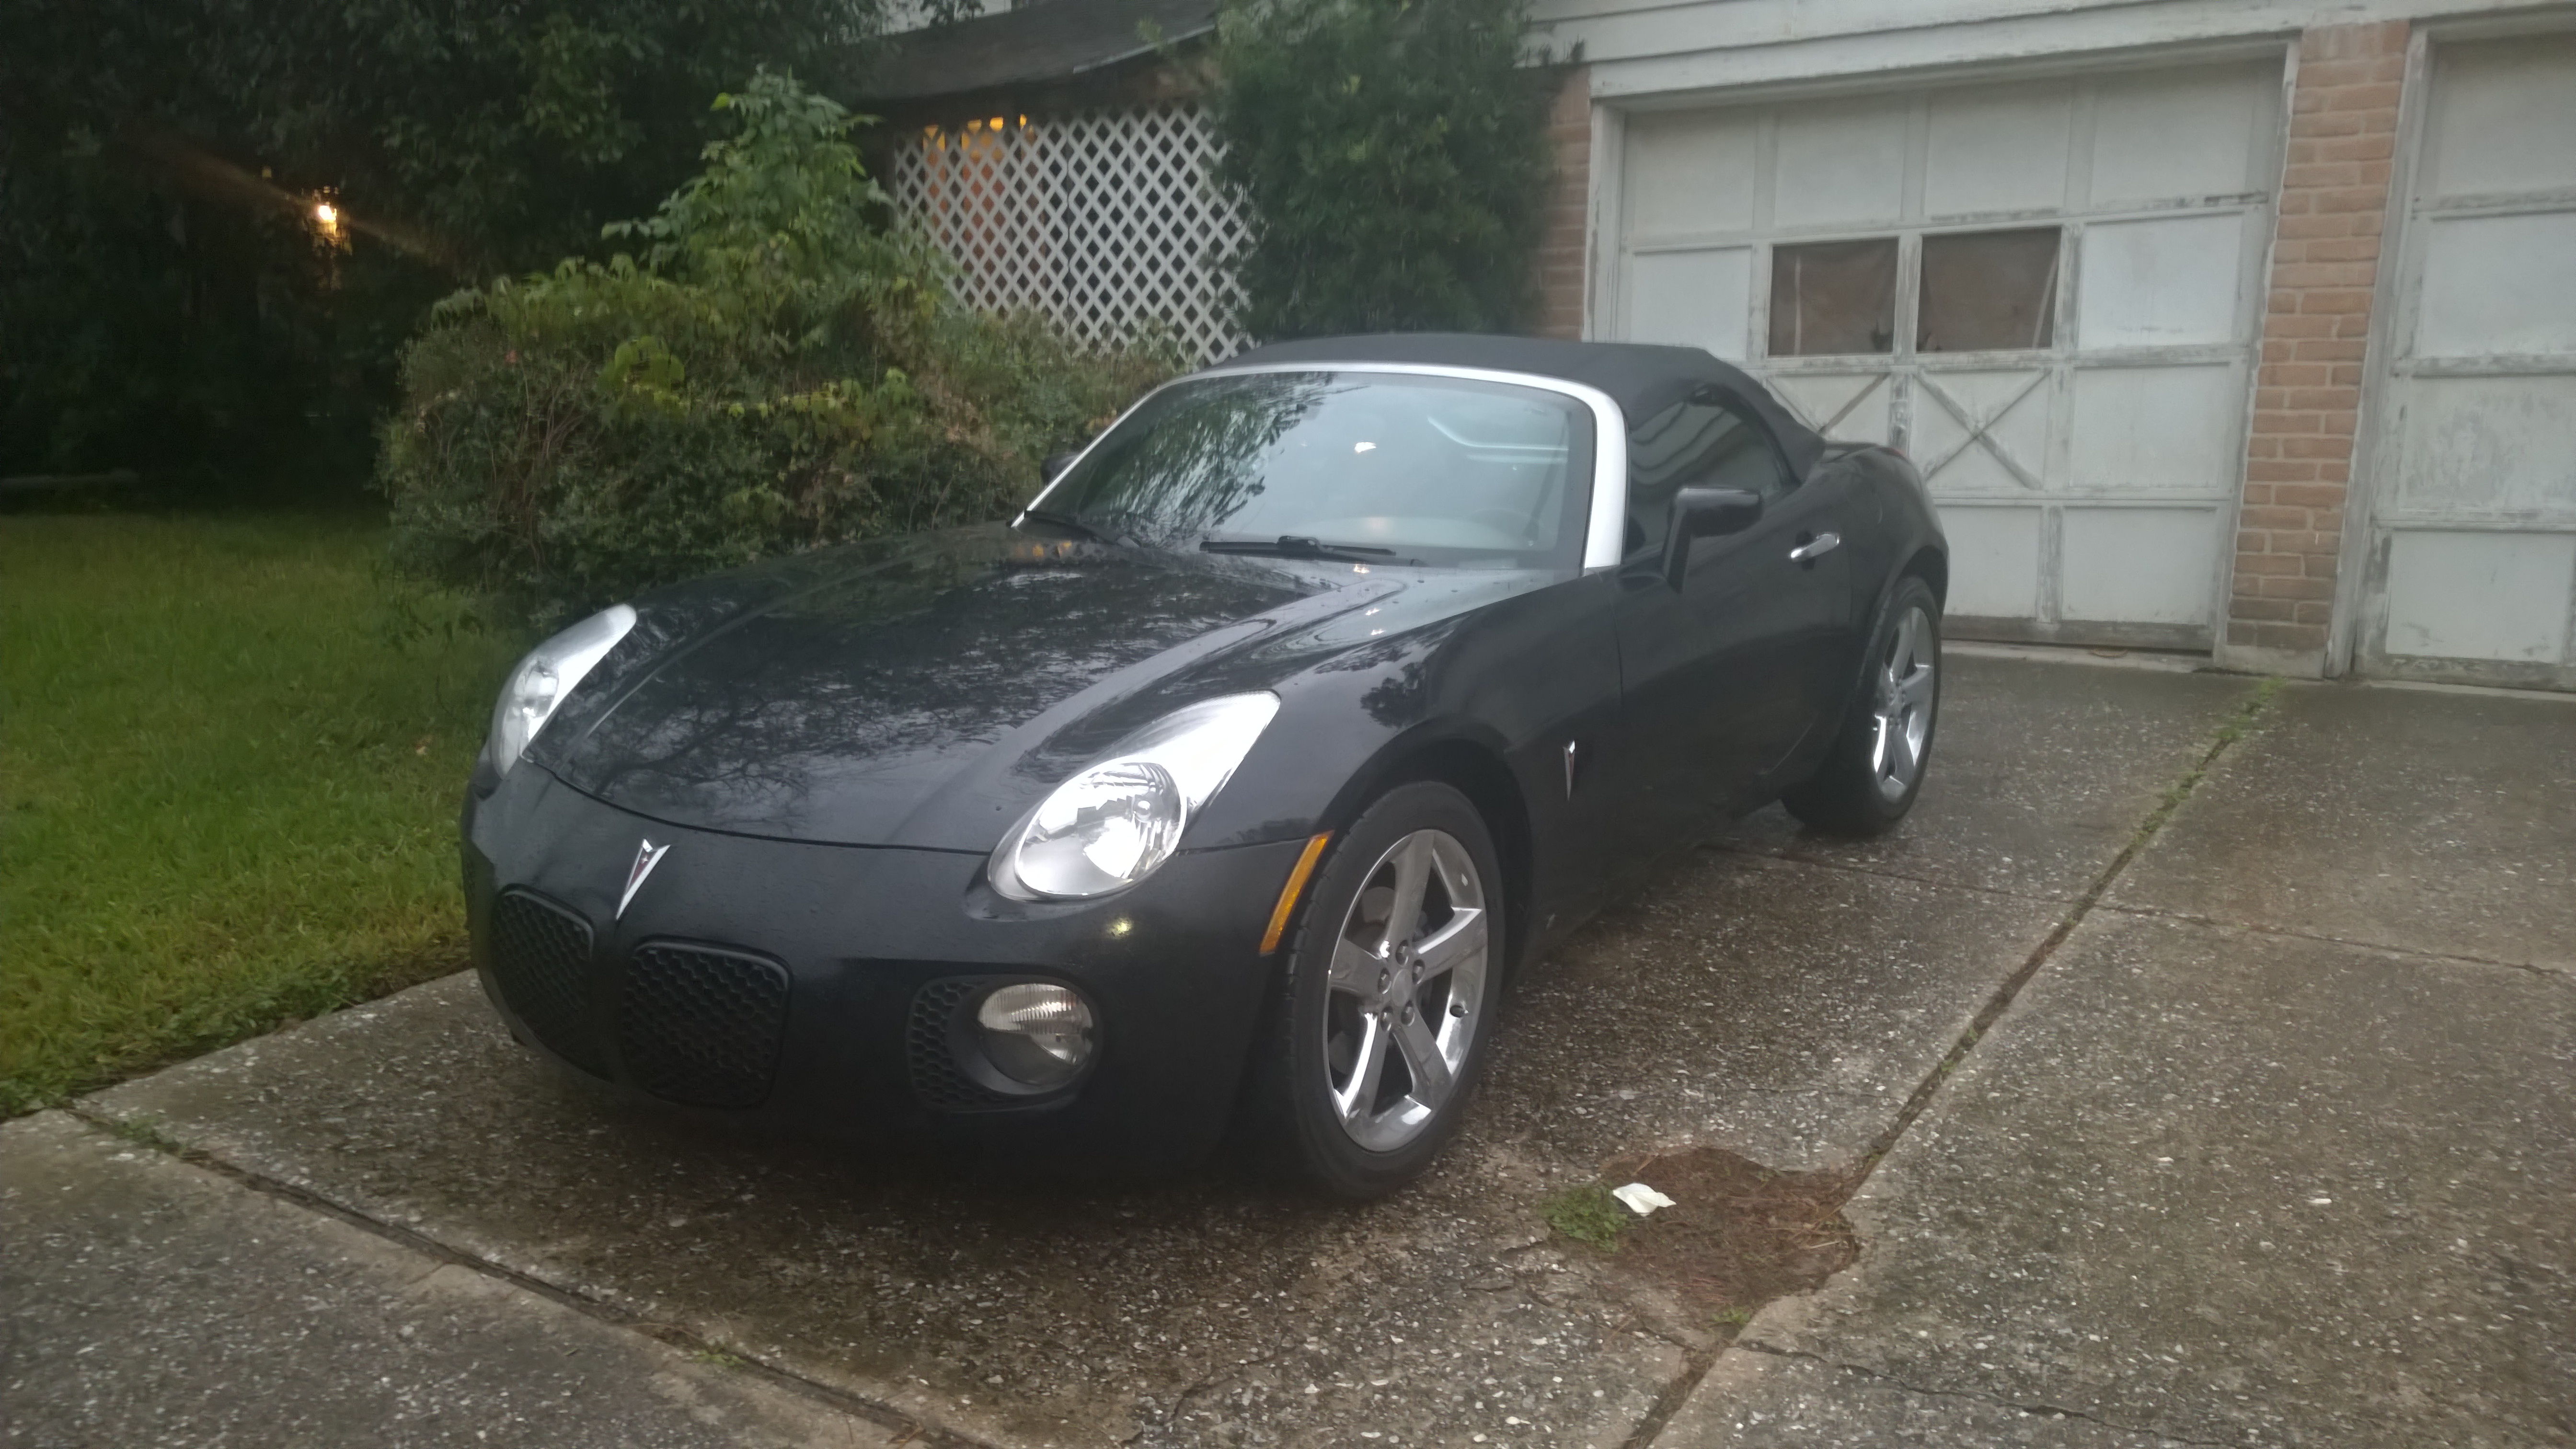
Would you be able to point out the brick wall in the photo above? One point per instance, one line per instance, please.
(2307, 400)
(1562, 275)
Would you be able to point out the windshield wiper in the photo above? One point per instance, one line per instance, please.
(1065, 521)
(1293, 545)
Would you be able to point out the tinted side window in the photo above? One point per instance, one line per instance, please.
(1698, 443)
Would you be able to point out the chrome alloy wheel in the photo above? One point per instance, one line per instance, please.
(1408, 975)
(1903, 714)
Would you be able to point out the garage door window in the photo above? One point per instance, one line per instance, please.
(1988, 291)
(1834, 298)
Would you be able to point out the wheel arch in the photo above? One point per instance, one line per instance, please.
(1475, 769)
(1932, 566)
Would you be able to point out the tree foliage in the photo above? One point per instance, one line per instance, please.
(1394, 154)
(164, 293)
(774, 372)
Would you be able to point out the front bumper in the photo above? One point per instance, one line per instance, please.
(817, 967)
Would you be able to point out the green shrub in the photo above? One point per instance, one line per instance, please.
(1395, 155)
(775, 371)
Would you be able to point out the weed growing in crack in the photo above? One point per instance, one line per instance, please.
(1589, 1214)
(144, 1132)
(719, 1357)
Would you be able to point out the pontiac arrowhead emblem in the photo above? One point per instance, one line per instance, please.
(647, 856)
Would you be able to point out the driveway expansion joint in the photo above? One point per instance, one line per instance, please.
(2041, 1410)
(2563, 974)
(2247, 717)
(145, 1133)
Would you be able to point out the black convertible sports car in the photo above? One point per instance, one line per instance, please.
(1231, 781)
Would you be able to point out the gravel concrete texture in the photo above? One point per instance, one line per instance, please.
(1181, 1312)
(2042, 772)
(1752, 1398)
(2436, 822)
(1779, 1008)
(151, 1302)
(2223, 1186)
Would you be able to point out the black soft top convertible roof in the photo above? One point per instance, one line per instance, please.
(1642, 379)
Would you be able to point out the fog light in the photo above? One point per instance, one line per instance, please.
(1035, 1033)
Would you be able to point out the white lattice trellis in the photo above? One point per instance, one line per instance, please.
(1103, 220)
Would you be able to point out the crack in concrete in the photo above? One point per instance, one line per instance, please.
(910, 1429)
(2246, 717)
(2561, 974)
(2041, 1409)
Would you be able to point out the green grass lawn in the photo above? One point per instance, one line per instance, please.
(231, 750)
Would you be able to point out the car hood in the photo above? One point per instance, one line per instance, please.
(920, 691)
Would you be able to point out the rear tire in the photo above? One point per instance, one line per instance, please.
(1876, 765)
(1378, 1036)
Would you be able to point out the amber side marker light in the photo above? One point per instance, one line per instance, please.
(1289, 893)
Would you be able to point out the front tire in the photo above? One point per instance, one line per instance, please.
(1388, 997)
(1876, 766)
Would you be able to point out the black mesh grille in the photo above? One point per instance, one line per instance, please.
(541, 961)
(702, 1026)
(936, 1078)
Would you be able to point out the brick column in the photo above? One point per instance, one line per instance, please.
(1562, 272)
(2316, 328)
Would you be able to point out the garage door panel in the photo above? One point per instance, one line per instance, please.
(2489, 445)
(1691, 172)
(1847, 407)
(1841, 163)
(1994, 561)
(2503, 117)
(1997, 150)
(1973, 430)
(2173, 137)
(2164, 283)
(2169, 429)
(2498, 596)
(2045, 290)
(1692, 299)
(2472, 523)
(2498, 284)
(2138, 565)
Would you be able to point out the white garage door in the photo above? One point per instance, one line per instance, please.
(2471, 571)
(2046, 292)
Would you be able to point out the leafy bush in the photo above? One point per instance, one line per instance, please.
(1395, 155)
(773, 373)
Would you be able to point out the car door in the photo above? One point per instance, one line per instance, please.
(1730, 660)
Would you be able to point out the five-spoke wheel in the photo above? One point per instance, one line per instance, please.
(1408, 969)
(1875, 765)
(1388, 993)
(1907, 685)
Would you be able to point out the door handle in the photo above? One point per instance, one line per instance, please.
(1809, 550)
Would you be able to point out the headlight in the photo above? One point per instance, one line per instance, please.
(1115, 823)
(546, 678)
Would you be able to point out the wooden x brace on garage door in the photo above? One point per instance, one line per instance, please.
(1781, 388)
(1980, 429)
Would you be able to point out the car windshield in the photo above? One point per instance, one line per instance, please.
(1365, 467)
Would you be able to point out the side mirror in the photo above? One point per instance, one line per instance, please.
(1054, 466)
(1705, 513)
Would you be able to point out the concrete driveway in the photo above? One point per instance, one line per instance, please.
(2198, 1057)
